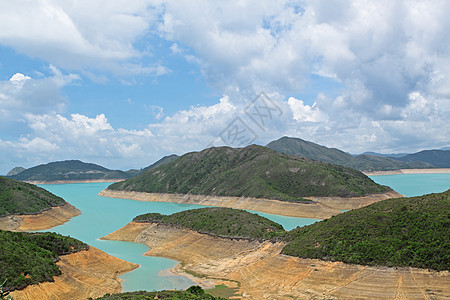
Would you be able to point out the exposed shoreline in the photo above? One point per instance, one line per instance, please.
(47, 219)
(261, 272)
(74, 181)
(410, 171)
(319, 208)
(89, 273)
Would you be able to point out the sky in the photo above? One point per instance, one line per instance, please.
(123, 83)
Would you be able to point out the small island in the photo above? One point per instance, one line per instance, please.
(26, 207)
(255, 178)
(400, 243)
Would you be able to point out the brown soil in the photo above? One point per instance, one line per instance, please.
(354, 202)
(284, 208)
(85, 274)
(45, 220)
(261, 272)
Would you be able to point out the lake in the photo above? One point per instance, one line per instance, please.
(101, 216)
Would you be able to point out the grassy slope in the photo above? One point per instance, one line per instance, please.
(395, 232)
(22, 198)
(438, 158)
(296, 146)
(29, 258)
(225, 222)
(253, 171)
(69, 170)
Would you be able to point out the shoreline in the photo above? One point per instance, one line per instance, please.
(73, 181)
(259, 271)
(319, 208)
(47, 219)
(409, 171)
(89, 273)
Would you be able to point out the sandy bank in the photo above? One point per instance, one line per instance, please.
(85, 274)
(410, 171)
(45, 220)
(354, 202)
(284, 208)
(263, 273)
(74, 181)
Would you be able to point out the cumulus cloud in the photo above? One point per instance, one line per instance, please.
(22, 94)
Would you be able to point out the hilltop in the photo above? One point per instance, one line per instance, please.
(218, 221)
(253, 171)
(165, 160)
(296, 146)
(68, 170)
(15, 171)
(402, 232)
(19, 198)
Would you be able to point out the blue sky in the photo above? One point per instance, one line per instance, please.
(126, 82)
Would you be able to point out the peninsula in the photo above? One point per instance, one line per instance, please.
(396, 244)
(255, 178)
(26, 207)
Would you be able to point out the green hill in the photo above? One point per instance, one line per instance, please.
(69, 170)
(253, 171)
(165, 160)
(218, 221)
(438, 158)
(15, 171)
(192, 293)
(296, 146)
(18, 197)
(404, 232)
(29, 258)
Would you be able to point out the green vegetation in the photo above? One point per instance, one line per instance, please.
(165, 160)
(253, 171)
(69, 170)
(15, 171)
(22, 198)
(192, 293)
(296, 146)
(218, 221)
(29, 258)
(438, 158)
(405, 232)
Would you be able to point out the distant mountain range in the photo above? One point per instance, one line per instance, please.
(364, 162)
(68, 170)
(253, 171)
(438, 158)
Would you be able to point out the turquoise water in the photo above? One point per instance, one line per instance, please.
(101, 216)
(415, 184)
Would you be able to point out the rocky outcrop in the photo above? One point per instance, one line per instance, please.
(263, 273)
(85, 274)
(45, 220)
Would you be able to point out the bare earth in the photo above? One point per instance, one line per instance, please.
(323, 208)
(410, 171)
(85, 274)
(74, 181)
(47, 219)
(261, 272)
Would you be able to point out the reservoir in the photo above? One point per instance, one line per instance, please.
(101, 216)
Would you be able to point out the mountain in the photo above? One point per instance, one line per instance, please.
(390, 155)
(18, 197)
(253, 171)
(69, 170)
(15, 171)
(438, 158)
(296, 146)
(402, 232)
(165, 160)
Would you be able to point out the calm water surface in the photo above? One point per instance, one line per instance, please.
(101, 216)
